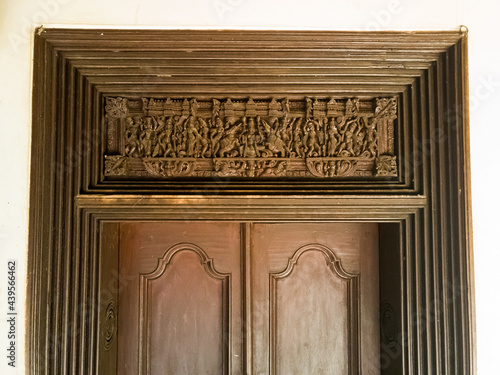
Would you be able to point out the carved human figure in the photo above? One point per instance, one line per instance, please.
(193, 136)
(147, 137)
(158, 125)
(216, 134)
(285, 104)
(165, 146)
(229, 144)
(298, 149)
(132, 138)
(249, 142)
(348, 138)
(311, 139)
(333, 138)
(359, 139)
(204, 137)
(286, 132)
(321, 126)
(179, 137)
(273, 141)
(340, 122)
(215, 109)
(371, 136)
(160, 142)
(169, 129)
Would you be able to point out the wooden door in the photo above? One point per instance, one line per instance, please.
(234, 298)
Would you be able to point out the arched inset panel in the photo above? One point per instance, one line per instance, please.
(184, 315)
(315, 314)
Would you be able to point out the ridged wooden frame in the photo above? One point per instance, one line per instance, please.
(75, 70)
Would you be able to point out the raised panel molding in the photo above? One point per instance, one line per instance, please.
(352, 312)
(145, 303)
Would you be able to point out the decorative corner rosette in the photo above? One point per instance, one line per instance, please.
(311, 138)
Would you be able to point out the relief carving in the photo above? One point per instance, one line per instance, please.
(251, 138)
(168, 168)
(331, 168)
(115, 165)
(386, 165)
(250, 167)
(116, 107)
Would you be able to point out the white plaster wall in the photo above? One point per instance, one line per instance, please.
(18, 18)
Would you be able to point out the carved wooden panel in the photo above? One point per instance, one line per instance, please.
(315, 295)
(180, 306)
(314, 138)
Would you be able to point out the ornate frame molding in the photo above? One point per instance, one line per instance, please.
(77, 71)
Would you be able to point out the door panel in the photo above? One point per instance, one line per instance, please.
(176, 300)
(315, 298)
(181, 309)
(309, 308)
(310, 292)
